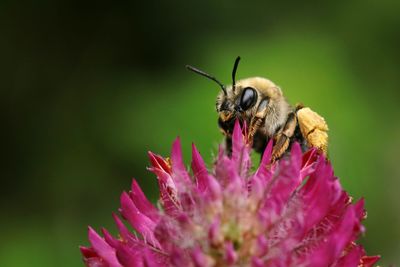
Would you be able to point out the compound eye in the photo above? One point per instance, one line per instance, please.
(248, 98)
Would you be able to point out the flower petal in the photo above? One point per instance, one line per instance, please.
(283, 185)
(240, 150)
(142, 203)
(263, 169)
(200, 172)
(205, 183)
(352, 258)
(180, 174)
(369, 261)
(200, 259)
(317, 194)
(231, 256)
(138, 220)
(91, 259)
(167, 187)
(104, 250)
(130, 256)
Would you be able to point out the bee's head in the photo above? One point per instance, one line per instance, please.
(243, 98)
(226, 100)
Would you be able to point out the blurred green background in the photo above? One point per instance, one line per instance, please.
(88, 88)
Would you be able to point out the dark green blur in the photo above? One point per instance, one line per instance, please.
(88, 89)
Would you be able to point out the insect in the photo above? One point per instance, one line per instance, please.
(260, 104)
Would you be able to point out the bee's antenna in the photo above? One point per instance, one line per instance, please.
(202, 73)
(234, 72)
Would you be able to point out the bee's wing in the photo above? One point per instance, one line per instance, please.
(313, 128)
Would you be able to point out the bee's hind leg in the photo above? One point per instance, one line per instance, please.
(282, 139)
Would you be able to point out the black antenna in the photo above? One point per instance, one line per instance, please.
(202, 73)
(234, 72)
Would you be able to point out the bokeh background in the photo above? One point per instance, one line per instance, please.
(88, 88)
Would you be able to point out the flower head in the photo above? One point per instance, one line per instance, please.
(291, 213)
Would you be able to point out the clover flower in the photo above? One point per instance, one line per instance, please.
(290, 213)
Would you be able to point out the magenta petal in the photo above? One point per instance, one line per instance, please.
(240, 150)
(309, 157)
(352, 258)
(109, 238)
(125, 234)
(266, 159)
(214, 233)
(230, 254)
(296, 156)
(179, 258)
(257, 190)
(142, 203)
(342, 236)
(257, 262)
(200, 172)
(159, 163)
(130, 256)
(91, 259)
(104, 250)
(199, 259)
(167, 187)
(369, 261)
(178, 168)
(168, 193)
(262, 245)
(284, 185)
(88, 252)
(237, 142)
(308, 163)
(150, 260)
(95, 262)
(336, 242)
(359, 209)
(138, 220)
(317, 195)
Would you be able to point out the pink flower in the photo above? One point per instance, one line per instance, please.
(293, 213)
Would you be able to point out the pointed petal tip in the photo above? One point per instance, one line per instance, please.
(158, 162)
(237, 129)
(90, 229)
(125, 199)
(369, 261)
(176, 147)
(296, 147)
(177, 140)
(87, 252)
(134, 183)
(152, 158)
(266, 157)
(195, 151)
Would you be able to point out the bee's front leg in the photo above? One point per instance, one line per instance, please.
(257, 120)
(282, 139)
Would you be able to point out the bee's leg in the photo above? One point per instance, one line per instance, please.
(282, 139)
(228, 145)
(255, 124)
(256, 121)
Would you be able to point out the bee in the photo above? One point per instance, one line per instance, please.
(260, 104)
